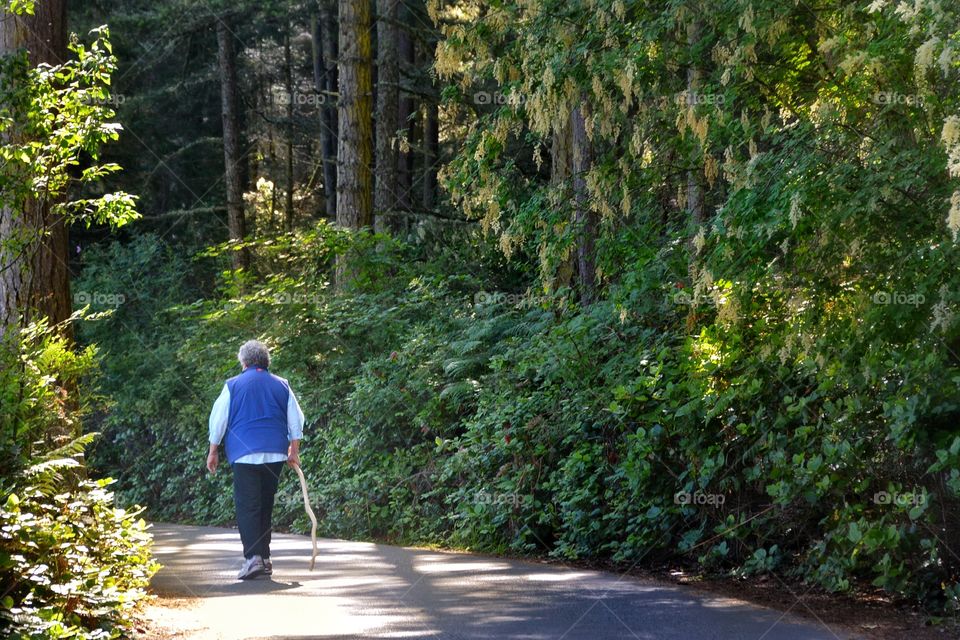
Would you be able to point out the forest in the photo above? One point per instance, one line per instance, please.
(619, 282)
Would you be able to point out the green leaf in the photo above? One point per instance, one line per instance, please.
(854, 534)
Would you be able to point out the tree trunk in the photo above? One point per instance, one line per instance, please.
(288, 71)
(560, 171)
(34, 278)
(323, 85)
(355, 119)
(231, 140)
(388, 82)
(355, 113)
(326, 36)
(407, 109)
(261, 102)
(585, 218)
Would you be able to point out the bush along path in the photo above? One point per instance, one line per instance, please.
(72, 563)
(445, 415)
(688, 294)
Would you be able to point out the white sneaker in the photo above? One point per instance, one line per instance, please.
(252, 567)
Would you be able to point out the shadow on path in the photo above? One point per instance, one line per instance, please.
(363, 590)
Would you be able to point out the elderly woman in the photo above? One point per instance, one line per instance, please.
(263, 425)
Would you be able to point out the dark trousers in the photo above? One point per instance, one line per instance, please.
(254, 487)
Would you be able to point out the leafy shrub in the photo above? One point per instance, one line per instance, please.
(71, 564)
(439, 414)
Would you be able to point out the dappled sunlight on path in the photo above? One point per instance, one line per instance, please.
(363, 590)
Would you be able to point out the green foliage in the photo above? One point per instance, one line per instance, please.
(21, 6)
(810, 311)
(71, 564)
(439, 412)
(38, 369)
(51, 119)
(767, 387)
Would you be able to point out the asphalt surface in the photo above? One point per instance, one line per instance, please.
(364, 590)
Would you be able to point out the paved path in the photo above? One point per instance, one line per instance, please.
(363, 590)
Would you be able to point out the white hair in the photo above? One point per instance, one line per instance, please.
(254, 353)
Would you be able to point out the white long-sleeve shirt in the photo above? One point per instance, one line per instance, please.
(220, 415)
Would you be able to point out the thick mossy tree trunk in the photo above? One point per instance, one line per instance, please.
(231, 140)
(34, 278)
(355, 115)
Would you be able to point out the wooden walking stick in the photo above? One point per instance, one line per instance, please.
(313, 518)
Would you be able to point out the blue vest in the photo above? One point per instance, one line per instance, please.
(258, 414)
